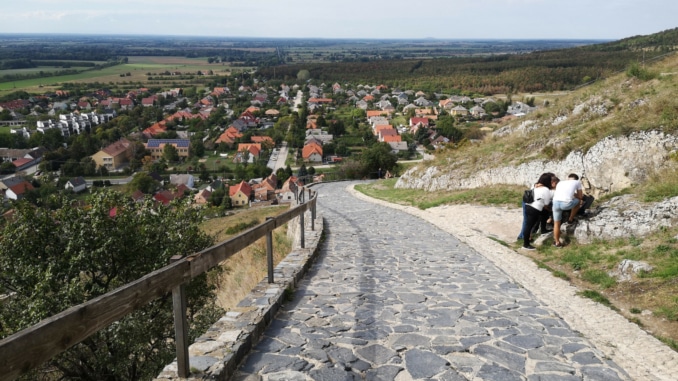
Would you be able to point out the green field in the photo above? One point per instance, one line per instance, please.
(137, 67)
(45, 69)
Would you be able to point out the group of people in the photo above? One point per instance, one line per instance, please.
(552, 197)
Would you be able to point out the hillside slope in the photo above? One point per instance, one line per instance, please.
(618, 132)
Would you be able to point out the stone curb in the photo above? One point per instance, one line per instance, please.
(217, 353)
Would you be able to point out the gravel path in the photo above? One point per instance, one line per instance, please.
(640, 355)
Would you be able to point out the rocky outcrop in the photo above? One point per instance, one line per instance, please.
(624, 217)
(610, 165)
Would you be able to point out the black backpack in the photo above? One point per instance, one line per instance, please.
(528, 196)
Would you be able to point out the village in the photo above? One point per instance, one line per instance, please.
(251, 125)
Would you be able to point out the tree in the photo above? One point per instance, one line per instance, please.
(143, 182)
(53, 259)
(445, 126)
(170, 153)
(302, 171)
(377, 157)
(217, 197)
(7, 167)
(303, 75)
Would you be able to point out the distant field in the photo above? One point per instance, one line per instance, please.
(137, 68)
(170, 61)
(46, 69)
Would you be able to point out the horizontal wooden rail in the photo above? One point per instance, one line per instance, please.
(27, 349)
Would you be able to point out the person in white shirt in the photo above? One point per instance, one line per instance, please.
(536, 211)
(569, 195)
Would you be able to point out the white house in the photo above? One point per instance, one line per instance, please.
(77, 184)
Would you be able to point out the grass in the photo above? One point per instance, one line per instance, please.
(556, 273)
(661, 186)
(244, 270)
(597, 297)
(599, 277)
(673, 344)
(385, 190)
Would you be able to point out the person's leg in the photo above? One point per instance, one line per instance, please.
(557, 215)
(588, 200)
(522, 228)
(573, 207)
(543, 218)
(532, 220)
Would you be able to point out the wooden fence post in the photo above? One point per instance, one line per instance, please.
(313, 212)
(180, 326)
(302, 241)
(269, 253)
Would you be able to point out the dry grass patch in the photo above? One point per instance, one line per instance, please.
(239, 274)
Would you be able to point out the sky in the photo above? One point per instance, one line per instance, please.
(451, 19)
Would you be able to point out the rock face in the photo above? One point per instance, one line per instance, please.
(624, 217)
(610, 165)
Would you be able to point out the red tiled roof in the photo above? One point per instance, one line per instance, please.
(19, 162)
(21, 188)
(241, 187)
(310, 149)
(261, 139)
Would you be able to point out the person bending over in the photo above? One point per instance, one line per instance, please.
(568, 196)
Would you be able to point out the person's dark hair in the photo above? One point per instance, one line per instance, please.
(573, 176)
(545, 180)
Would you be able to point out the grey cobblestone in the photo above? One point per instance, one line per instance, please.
(392, 297)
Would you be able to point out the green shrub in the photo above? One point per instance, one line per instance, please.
(637, 71)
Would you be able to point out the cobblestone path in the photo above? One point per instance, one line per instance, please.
(392, 297)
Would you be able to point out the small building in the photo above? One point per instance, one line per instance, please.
(312, 152)
(240, 194)
(157, 146)
(114, 155)
(18, 190)
(77, 184)
(182, 178)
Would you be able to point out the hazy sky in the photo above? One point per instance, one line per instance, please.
(453, 19)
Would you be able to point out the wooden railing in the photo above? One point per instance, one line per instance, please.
(28, 349)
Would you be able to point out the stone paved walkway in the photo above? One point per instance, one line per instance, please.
(393, 297)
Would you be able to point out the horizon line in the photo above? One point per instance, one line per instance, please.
(300, 38)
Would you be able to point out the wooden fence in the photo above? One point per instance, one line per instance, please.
(33, 346)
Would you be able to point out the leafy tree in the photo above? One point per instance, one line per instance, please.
(379, 156)
(303, 75)
(53, 139)
(336, 127)
(217, 197)
(53, 259)
(227, 203)
(143, 182)
(446, 128)
(170, 153)
(7, 167)
(302, 171)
